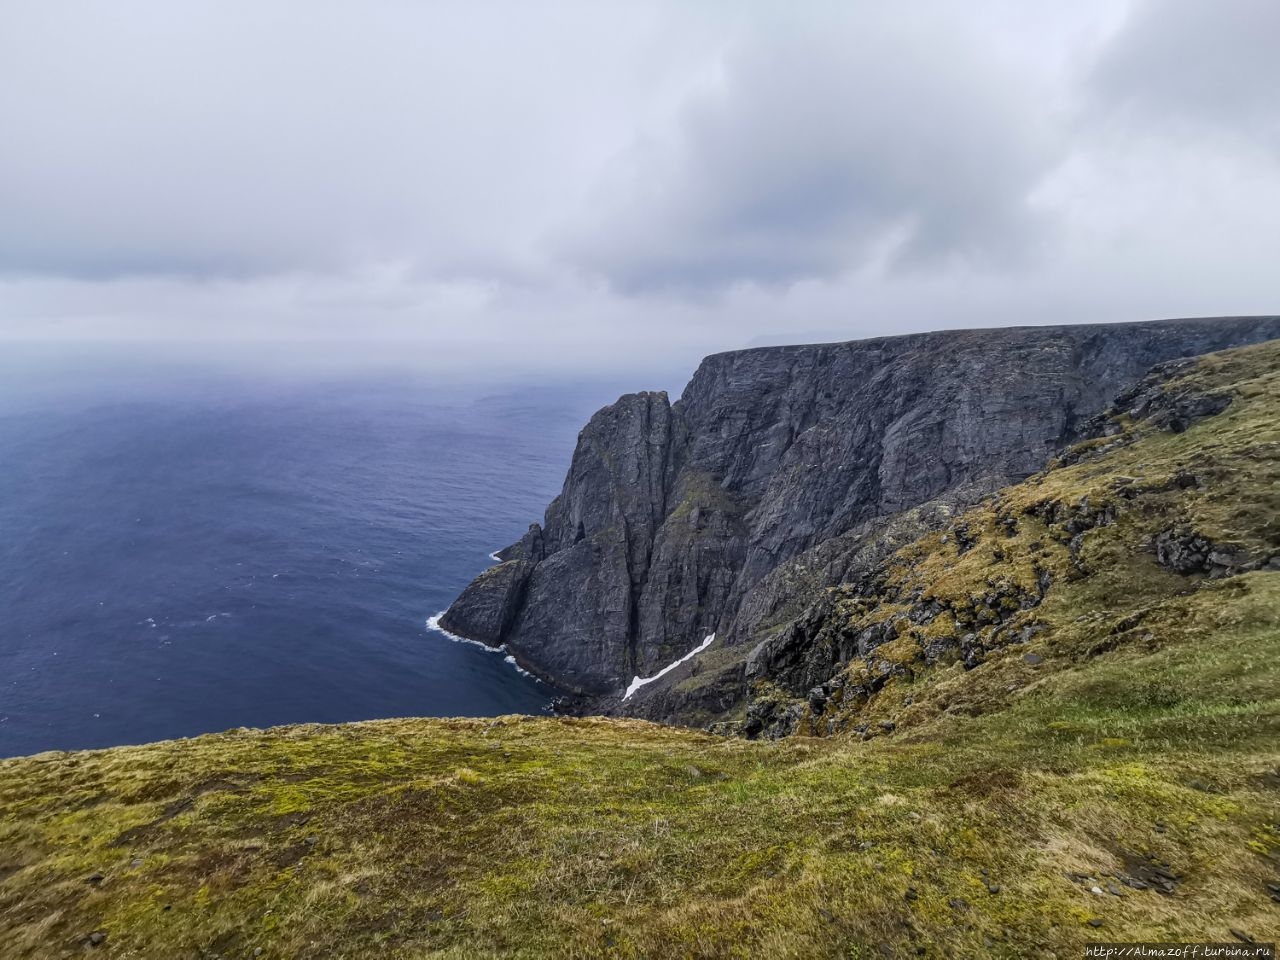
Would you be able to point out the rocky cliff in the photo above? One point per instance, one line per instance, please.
(780, 471)
(1169, 501)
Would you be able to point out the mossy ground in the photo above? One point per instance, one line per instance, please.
(1145, 731)
(545, 837)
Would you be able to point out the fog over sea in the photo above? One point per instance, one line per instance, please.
(187, 548)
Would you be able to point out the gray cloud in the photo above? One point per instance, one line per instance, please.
(624, 184)
(211, 138)
(1181, 64)
(823, 147)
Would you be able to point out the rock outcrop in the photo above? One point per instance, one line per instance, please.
(781, 470)
(1071, 562)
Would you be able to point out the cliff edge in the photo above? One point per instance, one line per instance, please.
(779, 471)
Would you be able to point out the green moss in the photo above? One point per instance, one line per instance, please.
(700, 491)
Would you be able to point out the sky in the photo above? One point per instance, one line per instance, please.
(569, 186)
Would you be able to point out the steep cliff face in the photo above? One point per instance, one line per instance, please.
(1159, 515)
(781, 470)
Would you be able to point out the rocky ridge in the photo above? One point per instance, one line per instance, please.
(781, 471)
(1124, 523)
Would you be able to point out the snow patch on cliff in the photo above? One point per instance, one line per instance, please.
(639, 682)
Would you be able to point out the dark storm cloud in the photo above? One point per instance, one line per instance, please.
(817, 149)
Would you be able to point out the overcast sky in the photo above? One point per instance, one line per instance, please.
(564, 185)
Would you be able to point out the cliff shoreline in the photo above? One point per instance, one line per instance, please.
(780, 470)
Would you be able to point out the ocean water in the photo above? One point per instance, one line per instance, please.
(185, 551)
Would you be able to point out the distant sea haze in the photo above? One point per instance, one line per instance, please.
(182, 555)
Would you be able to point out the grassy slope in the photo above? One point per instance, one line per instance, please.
(1219, 480)
(1131, 741)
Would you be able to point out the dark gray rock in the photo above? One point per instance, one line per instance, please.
(488, 607)
(1176, 410)
(490, 604)
(1185, 551)
(783, 470)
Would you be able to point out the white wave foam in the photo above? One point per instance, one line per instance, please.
(639, 682)
(519, 669)
(494, 557)
(433, 623)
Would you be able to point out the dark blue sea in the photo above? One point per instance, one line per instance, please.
(186, 549)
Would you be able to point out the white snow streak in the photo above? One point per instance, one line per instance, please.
(637, 682)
